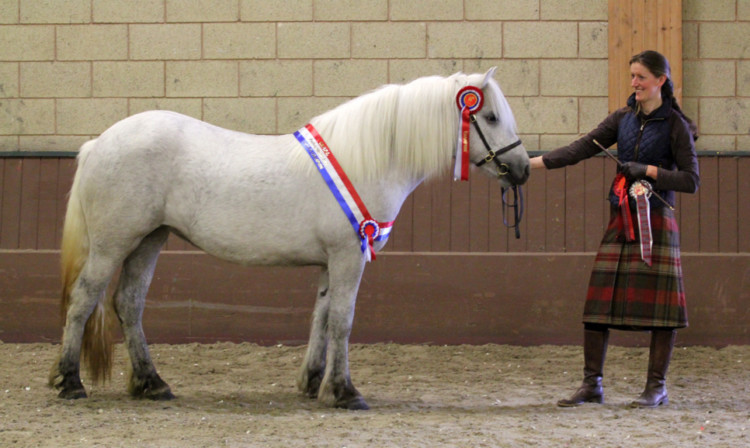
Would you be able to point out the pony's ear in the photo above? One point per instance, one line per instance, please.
(487, 76)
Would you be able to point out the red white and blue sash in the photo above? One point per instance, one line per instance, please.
(367, 229)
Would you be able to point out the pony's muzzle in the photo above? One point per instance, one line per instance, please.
(514, 177)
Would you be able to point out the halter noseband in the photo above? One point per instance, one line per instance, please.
(502, 168)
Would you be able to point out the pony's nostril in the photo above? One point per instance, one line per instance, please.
(522, 177)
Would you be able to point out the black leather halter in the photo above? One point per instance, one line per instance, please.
(502, 170)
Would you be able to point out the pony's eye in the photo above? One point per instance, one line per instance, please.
(491, 117)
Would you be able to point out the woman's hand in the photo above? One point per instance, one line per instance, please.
(536, 162)
(634, 171)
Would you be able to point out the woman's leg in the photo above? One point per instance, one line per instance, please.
(595, 339)
(660, 354)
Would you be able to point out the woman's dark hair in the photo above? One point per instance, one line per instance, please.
(658, 65)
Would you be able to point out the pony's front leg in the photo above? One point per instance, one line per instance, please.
(336, 388)
(313, 368)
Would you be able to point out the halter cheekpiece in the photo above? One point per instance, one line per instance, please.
(470, 100)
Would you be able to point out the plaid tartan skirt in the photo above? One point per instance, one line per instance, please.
(624, 292)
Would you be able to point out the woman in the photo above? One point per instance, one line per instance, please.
(629, 288)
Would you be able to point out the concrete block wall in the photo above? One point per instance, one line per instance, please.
(716, 54)
(71, 68)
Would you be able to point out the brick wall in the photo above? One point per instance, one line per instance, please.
(71, 68)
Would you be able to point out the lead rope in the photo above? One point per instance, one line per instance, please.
(517, 207)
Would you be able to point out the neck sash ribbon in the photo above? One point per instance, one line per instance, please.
(367, 229)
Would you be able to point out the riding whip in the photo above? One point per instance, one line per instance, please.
(646, 185)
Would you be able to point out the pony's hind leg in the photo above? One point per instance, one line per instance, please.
(86, 294)
(130, 299)
(313, 367)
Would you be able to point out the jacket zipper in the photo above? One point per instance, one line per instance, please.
(640, 135)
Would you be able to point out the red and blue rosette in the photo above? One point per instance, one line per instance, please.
(369, 230)
(470, 101)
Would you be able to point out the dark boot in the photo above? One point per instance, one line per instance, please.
(594, 352)
(660, 354)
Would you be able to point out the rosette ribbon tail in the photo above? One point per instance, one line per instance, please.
(368, 250)
(644, 224)
(469, 100)
(625, 221)
(461, 169)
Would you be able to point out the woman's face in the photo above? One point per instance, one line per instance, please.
(647, 86)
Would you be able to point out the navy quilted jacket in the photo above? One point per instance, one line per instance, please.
(661, 138)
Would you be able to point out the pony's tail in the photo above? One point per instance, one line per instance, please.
(97, 345)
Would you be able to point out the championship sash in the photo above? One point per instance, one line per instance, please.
(367, 229)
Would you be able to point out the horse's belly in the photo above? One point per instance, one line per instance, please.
(261, 250)
(250, 231)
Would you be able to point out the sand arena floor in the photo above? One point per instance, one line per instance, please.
(244, 395)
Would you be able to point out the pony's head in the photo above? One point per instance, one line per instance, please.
(413, 129)
(492, 143)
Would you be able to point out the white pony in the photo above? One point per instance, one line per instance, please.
(256, 200)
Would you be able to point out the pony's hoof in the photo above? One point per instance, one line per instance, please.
(354, 404)
(164, 394)
(73, 394)
(309, 382)
(313, 386)
(150, 387)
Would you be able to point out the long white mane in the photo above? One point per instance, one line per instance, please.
(411, 127)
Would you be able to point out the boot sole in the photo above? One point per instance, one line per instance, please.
(635, 404)
(571, 404)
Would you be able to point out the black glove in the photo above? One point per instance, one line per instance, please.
(633, 171)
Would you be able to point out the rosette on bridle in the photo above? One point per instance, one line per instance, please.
(470, 101)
